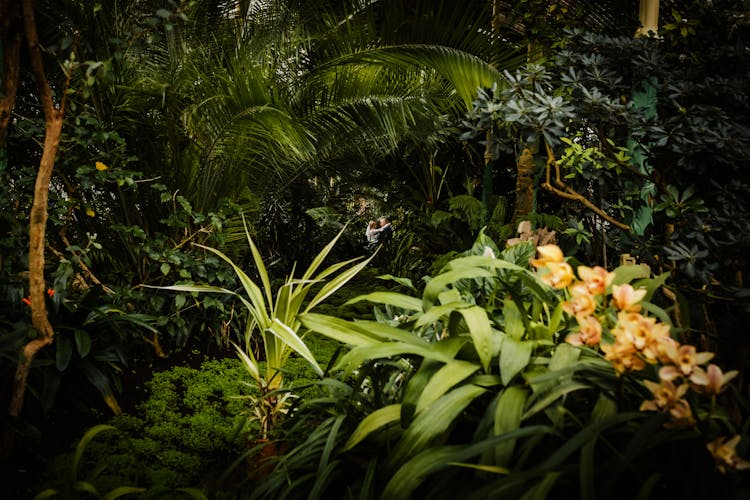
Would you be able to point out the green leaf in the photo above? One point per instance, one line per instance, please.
(542, 489)
(401, 281)
(289, 338)
(415, 387)
(357, 356)
(438, 283)
(83, 342)
(508, 414)
(373, 422)
(250, 363)
(627, 273)
(514, 357)
(446, 378)
(414, 472)
(390, 298)
(63, 353)
(193, 493)
(102, 384)
(481, 334)
(433, 422)
(165, 268)
(81, 448)
(514, 326)
(550, 397)
(122, 491)
(435, 313)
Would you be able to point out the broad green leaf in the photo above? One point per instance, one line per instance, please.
(493, 469)
(81, 447)
(585, 435)
(652, 284)
(373, 422)
(481, 334)
(553, 395)
(430, 461)
(193, 493)
(83, 342)
(291, 339)
(449, 296)
(122, 491)
(45, 494)
(415, 387)
(605, 407)
(63, 353)
(514, 325)
(401, 281)
(508, 414)
(391, 298)
(627, 273)
(565, 356)
(475, 261)
(344, 331)
(587, 471)
(542, 489)
(101, 382)
(446, 377)
(358, 355)
(432, 423)
(434, 313)
(439, 282)
(514, 357)
(387, 332)
(86, 487)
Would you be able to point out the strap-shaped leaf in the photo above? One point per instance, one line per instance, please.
(339, 329)
(446, 378)
(508, 414)
(432, 423)
(390, 298)
(436, 312)
(249, 361)
(438, 283)
(481, 334)
(372, 422)
(430, 461)
(354, 358)
(289, 338)
(514, 356)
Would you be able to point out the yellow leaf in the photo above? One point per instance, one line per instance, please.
(101, 166)
(90, 212)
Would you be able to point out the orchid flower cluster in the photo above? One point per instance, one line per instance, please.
(636, 342)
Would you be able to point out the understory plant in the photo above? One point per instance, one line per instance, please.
(273, 315)
(517, 377)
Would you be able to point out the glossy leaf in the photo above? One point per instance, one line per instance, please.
(514, 357)
(374, 421)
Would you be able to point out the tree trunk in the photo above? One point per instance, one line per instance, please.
(53, 118)
(10, 37)
(648, 13)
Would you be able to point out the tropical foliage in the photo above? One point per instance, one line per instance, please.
(167, 168)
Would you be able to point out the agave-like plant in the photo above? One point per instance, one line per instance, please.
(274, 315)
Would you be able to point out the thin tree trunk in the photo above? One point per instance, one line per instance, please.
(648, 13)
(10, 37)
(53, 118)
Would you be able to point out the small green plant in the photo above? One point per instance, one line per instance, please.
(71, 486)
